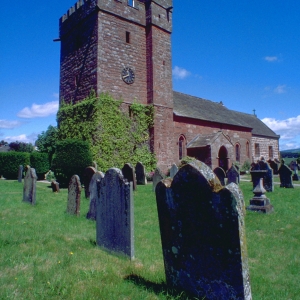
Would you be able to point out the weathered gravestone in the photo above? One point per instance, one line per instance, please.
(220, 173)
(233, 175)
(129, 174)
(55, 186)
(285, 175)
(87, 176)
(94, 190)
(173, 170)
(274, 164)
(140, 174)
(203, 234)
(115, 217)
(294, 168)
(20, 173)
(29, 190)
(157, 177)
(268, 183)
(74, 192)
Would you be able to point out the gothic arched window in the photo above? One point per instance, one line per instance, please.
(181, 147)
(237, 152)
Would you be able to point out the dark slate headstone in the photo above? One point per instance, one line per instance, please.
(203, 234)
(20, 173)
(87, 176)
(274, 164)
(29, 190)
(74, 192)
(220, 173)
(55, 186)
(115, 217)
(173, 170)
(129, 174)
(157, 177)
(233, 175)
(285, 175)
(94, 190)
(268, 177)
(140, 174)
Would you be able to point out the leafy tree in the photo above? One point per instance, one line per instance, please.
(46, 141)
(21, 147)
(3, 143)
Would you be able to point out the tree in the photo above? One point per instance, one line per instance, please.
(21, 147)
(3, 143)
(46, 141)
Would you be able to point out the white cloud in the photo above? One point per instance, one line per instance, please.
(289, 131)
(22, 138)
(9, 124)
(280, 89)
(271, 58)
(36, 110)
(180, 73)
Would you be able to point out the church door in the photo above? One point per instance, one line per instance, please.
(223, 158)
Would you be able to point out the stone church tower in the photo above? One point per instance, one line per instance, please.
(122, 47)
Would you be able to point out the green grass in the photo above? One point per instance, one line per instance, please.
(47, 254)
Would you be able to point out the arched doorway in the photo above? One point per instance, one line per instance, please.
(223, 158)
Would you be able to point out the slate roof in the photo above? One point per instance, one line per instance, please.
(204, 140)
(201, 109)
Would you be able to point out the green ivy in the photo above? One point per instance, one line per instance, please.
(116, 136)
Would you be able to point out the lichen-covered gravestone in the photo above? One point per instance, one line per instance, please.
(173, 170)
(29, 190)
(129, 174)
(94, 190)
(233, 175)
(203, 234)
(115, 217)
(140, 174)
(20, 173)
(87, 176)
(285, 175)
(220, 173)
(157, 177)
(74, 193)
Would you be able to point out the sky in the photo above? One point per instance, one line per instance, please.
(244, 53)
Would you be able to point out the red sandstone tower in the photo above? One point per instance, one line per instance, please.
(122, 47)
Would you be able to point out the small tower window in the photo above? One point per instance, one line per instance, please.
(132, 3)
(127, 37)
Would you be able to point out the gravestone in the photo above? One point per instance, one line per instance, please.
(203, 234)
(268, 177)
(140, 174)
(55, 186)
(29, 190)
(129, 174)
(220, 173)
(274, 164)
(285, 176)
(87, 176)
(74, 192)
(115, 217)
(20, 173)
(173, 170)
(94, 190)
(295, 169)
(233, 175)
(157, 177)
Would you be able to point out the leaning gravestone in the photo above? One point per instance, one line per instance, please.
(140, 174)
(233, 175)
(157, 177)
(55, 186)
(94, 190)
(20, 173)
(268, 177)
(115, 218)
(173, 170)
(74, 192)
(203, 234)
(220, 173)
(87, 176)
(29, 190)
(129, 175)
(285, 175)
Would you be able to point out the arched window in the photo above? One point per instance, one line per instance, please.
(181, 147)
(237, 152)
(247, 149)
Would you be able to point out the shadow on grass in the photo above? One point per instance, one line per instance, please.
(158, 288)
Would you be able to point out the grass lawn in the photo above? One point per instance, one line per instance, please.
(47, 254)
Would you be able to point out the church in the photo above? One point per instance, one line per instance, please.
(123, 47)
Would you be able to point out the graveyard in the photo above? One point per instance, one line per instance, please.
(47, 253)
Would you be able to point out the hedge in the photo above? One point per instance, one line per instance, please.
(40, 161)
(10, 162)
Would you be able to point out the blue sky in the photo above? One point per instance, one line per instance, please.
(243, 53)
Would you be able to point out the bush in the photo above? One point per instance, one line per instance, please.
(10, 162)
(71, 157)
(40, 161)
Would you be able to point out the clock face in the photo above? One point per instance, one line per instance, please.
(128, 75)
